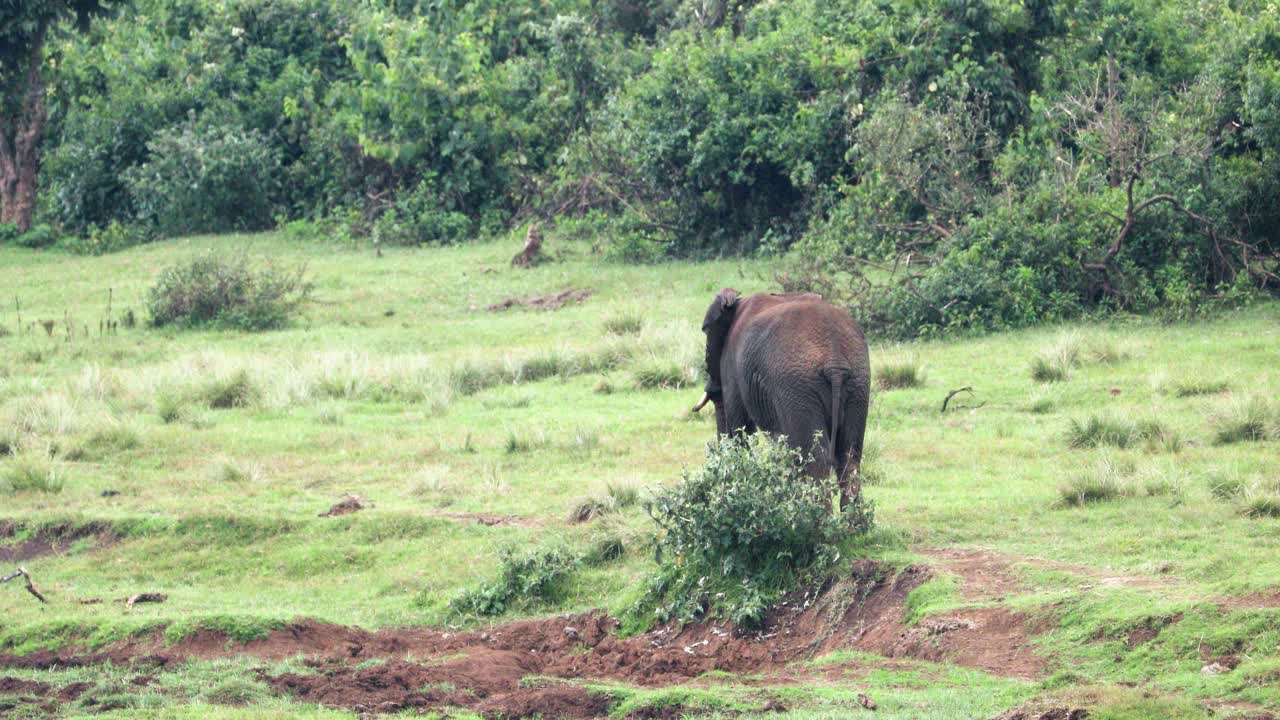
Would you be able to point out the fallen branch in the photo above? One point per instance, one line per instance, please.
(26, 577)
(953, 393)
(132, 600)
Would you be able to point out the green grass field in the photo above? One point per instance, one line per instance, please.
(1109, 468)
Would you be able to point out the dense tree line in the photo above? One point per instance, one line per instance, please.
(933, 164)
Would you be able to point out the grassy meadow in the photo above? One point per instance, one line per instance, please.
(1125, 469)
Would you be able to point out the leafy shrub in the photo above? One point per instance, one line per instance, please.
(114, 237)
(8, 233)
(39, 236)
(737, 534)
(525, 580)
(226, 291)
(206, 178)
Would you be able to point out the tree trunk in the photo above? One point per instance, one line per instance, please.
(20, 136)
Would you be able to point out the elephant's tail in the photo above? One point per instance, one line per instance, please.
(837, 377)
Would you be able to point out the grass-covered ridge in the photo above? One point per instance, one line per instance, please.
(466, 433)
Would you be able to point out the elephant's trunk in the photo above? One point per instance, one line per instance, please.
(706, 398)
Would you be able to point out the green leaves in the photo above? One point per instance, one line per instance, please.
(746, 528)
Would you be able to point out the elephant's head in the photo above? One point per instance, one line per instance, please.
(716, 324)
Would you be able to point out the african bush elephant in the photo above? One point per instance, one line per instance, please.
(792, 365)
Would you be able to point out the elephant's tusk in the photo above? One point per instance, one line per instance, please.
(706, 397)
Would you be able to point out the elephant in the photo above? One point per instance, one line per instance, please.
(793, 365)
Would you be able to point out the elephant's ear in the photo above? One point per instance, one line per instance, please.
(716, 325)
(721, 310)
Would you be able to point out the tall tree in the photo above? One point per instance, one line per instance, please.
(25, 25)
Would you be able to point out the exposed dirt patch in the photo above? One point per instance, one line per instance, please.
(1266, 600)
(346, 506)
(553, 301)
(482, 670)
(18, 686)
(1053, 713)
(73, 691)
(488, 519)
(1150, 629)
(986, 576)
(51, 540)
(989, 576)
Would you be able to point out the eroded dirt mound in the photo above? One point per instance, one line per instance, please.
(50, 540)
(1056, 713)
(393, 669)
(18, 686)
(553, 301)
(345, 506)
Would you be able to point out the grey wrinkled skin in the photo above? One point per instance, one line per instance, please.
(791, 365)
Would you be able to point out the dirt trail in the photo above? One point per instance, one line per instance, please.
(483, 670)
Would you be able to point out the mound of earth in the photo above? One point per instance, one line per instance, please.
(49, 540)
(552, 301)
(486, 670)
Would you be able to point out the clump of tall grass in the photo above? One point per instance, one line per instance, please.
(1256, 496)
(1251, 418)
(1041, 403)
(49, 414)
(1055, 362)
(902, 372)
(229, 471)
(1192, 388)
(523, 443)
(28, 474)
(627, 322)
(115, 438)
(657, 373)
(434, 483)
(1105, 351)
(237, 390)
(1105, 480)
(1105, 430)
(171, 407)
(617, 496)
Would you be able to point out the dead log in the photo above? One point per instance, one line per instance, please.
(26, 577)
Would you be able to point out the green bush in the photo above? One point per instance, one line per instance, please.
(737, 534)
(525, 580)
(227, 291)
(39, 236)
(206, 178)
(114, 237)
(8, 233)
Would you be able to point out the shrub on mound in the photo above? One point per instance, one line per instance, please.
(228, 291)
(739, 533)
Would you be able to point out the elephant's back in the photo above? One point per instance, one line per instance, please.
(814, 333)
